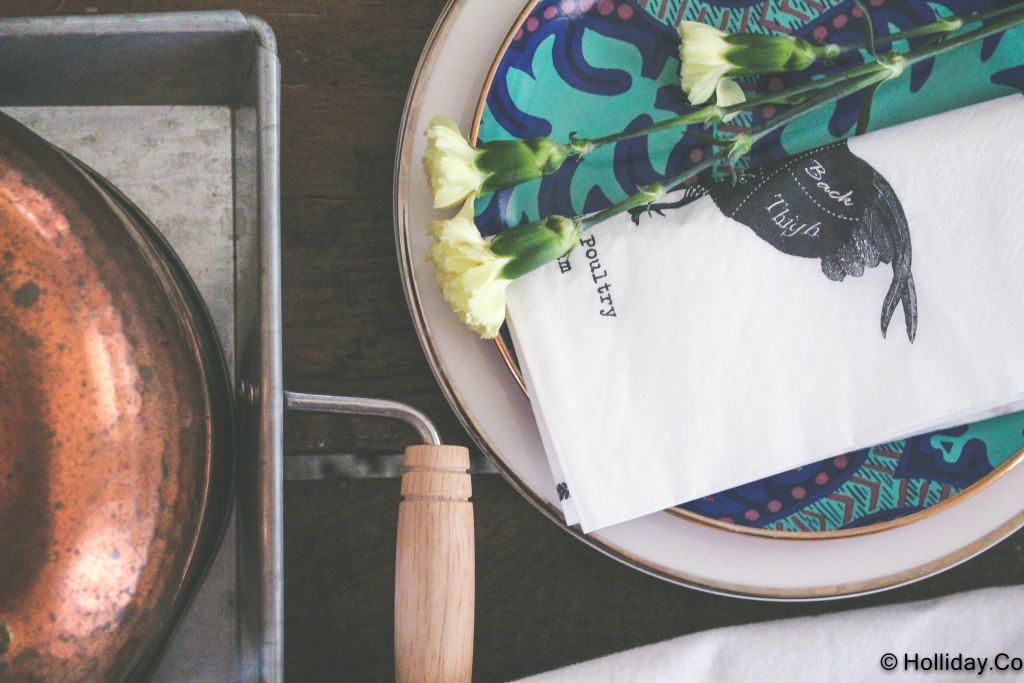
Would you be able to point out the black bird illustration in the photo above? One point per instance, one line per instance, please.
(827, 204)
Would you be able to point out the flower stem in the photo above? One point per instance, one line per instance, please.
(941, 27)
(996, 25)
(869, 24)
(825, 97)
(1001, 19)
(714, 112)
(647, 195)
(651, 193)
(874, 73)
(824, 91)
(698, 116)
(937, 28)
(654, 192)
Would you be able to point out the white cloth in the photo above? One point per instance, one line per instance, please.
(687, 355)
(939, 635)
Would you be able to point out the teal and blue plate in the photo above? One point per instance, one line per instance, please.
(599, 66)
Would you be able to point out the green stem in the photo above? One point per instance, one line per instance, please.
(997, 25)
(827, 90)
(837, 92)
(1000, 22)
(651, 193)
(714, 112)
(646, 195)
(698, 116)
(869, 24)
(938, 28)
(875, 73)
(787, 96)
(710, 161)
(943, 26)
(654, 192)
(866, 102)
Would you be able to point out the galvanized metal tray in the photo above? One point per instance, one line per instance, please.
(180, 111)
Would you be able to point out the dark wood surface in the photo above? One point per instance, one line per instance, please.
(543, 598)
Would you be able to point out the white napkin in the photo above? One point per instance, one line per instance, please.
(688, 355)
(923, 639)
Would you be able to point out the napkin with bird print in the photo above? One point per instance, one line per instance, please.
(849, 296)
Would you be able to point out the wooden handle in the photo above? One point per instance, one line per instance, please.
(435, 567)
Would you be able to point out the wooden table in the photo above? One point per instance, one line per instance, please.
(544, 600)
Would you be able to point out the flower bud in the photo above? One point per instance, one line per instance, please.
(473, 273)
(508, 163)
(710, 59)
(456, 169)
(752, 54)
(532, 245)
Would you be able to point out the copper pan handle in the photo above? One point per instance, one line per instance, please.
(435, 553)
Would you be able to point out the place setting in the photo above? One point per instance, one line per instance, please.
(785, 374)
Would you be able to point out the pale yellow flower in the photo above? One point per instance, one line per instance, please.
(710, 59)
(449, 163)
(703, 65)
(729, 92)
(473, 273)
(469, 273)
(456, 169)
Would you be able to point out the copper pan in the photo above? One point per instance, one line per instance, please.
(116, 433)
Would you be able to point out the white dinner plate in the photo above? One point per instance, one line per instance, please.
(494, 410)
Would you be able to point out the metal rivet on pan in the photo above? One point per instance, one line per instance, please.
(248, 393)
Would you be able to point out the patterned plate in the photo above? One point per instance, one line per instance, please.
(620, 58)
